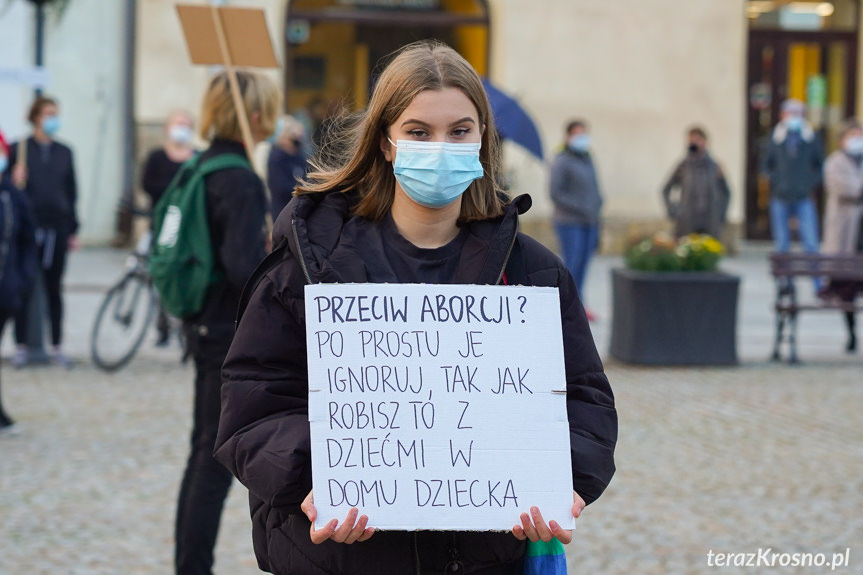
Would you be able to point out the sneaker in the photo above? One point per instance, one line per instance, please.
(20, 358)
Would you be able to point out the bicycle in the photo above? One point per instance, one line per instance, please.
(126, 312)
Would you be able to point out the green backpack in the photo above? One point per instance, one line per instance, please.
(182, 263)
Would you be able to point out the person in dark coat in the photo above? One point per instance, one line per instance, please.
(236, 212)
(161, 166)
(286, 164)
(359, 221)
(792, 163)
(701, 201)
(163, 163)
(574, 188)
(17, 257)
(47, 176)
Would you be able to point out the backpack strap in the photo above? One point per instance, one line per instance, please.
(222, 162)
(265, 267)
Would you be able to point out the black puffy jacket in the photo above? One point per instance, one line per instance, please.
(264, 428)
(17, 246)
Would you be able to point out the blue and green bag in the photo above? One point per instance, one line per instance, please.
(545, 558)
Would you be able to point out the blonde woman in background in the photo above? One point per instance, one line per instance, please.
(236, 210)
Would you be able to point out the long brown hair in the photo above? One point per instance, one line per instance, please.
(351, 158)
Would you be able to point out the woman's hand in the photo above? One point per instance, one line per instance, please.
(533, 526)
(350, 531)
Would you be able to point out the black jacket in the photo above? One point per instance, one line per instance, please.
(17, 245)
(51, 184)
(264, 429)
(159, 171)
(283, 172)
(236, 211)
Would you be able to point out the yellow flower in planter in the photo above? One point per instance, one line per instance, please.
(695, 252)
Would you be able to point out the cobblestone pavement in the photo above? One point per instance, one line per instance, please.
(728, 460)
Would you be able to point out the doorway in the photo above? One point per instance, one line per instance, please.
(817, 67)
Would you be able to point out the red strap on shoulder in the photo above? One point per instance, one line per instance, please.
(506, 283)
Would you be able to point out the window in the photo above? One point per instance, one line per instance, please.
(809, 15)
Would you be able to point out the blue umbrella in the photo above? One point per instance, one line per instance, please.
(512, 121)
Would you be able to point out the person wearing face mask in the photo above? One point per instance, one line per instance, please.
(792, 165)
(415, 199)
(45, 170)
(286, 164)
(843, 182)
(236, 206)
(163, 163)
(577, 199)
(161, 166)
(696, 195)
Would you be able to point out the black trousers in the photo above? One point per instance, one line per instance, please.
(53, 249)
(4, 417)
(206, 482)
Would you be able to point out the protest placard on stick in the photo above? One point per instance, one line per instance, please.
(437, 406)
(229, 37)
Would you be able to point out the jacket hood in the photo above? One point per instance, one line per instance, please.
(335, 246)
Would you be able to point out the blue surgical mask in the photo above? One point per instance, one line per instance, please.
(51, 125)
(4, 163)
(579, 142)
(435, 174)
(180, 134)
(280, 126)
(854, 145)
(794, 123)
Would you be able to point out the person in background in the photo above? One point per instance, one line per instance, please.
(163, 163)
(701, 201)
(236, 212)
(843, 183)
(286, 164)
(17, 256)
(792, 164)
(47, 176)
(577, 202)
(161, 166)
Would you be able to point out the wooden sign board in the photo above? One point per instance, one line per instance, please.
(246, 34)
(437, 406)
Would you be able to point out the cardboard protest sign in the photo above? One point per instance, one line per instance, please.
(437, 406)
(229, 37)
(246, 36)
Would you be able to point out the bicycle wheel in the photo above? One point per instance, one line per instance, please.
(122, 322)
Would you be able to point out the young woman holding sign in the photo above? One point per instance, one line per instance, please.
(380, 215)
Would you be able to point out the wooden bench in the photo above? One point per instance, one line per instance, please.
(785, 267)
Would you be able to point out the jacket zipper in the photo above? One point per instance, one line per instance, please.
(300, 257)
(508, 253)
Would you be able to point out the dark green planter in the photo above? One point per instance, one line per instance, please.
(674, 318)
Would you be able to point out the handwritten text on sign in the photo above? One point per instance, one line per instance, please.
(433, 406)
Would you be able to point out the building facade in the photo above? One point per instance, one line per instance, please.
(640, 71)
